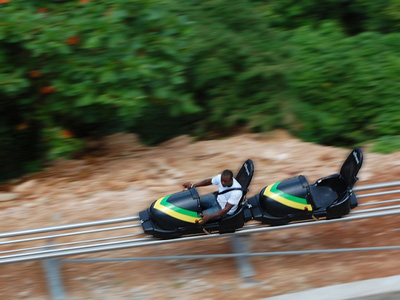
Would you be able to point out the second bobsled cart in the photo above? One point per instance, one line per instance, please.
(294, 199)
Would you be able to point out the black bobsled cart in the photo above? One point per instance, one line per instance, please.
(279, 203)
(179, 214)
(294, 199)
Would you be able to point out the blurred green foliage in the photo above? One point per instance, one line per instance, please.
(325, 70)
(386, 144)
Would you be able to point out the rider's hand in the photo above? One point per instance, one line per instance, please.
(187, 185)
(205, 219)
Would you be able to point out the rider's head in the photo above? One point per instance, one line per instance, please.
(227, 178)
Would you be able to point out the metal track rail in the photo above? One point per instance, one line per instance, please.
(377, 186)
(53, 253)
(233, 255)
(68, 226)
(73, 243)
(30, 250)
(49, 237)
(378, 202)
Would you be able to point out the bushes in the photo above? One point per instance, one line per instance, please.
(346, 85)
(72, 69)
(87, 68)
(237, 70)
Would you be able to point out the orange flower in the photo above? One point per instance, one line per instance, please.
(47, 90)
(4, 1)
(84, 1)
(72, 40)
(66, 134)
(22, 126)
(108, 12)
(42, 10)
(35, 73)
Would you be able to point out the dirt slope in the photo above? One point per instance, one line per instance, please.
(120, 177)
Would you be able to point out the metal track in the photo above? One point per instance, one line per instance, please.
(27, 248)
(68, 226)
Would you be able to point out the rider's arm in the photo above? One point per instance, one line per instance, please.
(220, 213)
(205, 182)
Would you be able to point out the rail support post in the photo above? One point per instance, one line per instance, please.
(53, 279)
(52, 272)
(240, 246)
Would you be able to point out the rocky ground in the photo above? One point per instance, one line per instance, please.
(120, 177)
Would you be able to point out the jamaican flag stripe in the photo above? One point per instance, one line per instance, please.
(288, 200)
(176, 212)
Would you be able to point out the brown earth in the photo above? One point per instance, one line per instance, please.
(121, 177)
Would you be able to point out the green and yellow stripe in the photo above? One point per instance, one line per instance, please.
(272, 192)
(176, 212)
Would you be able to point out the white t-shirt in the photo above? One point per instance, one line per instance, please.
(232, 197)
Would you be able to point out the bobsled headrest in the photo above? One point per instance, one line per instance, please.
(351, 166)
(245, 175)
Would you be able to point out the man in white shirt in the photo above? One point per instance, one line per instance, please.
(229, 195)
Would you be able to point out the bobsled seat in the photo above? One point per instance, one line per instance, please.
(326, 190)
(336, 190)
(230, 222)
